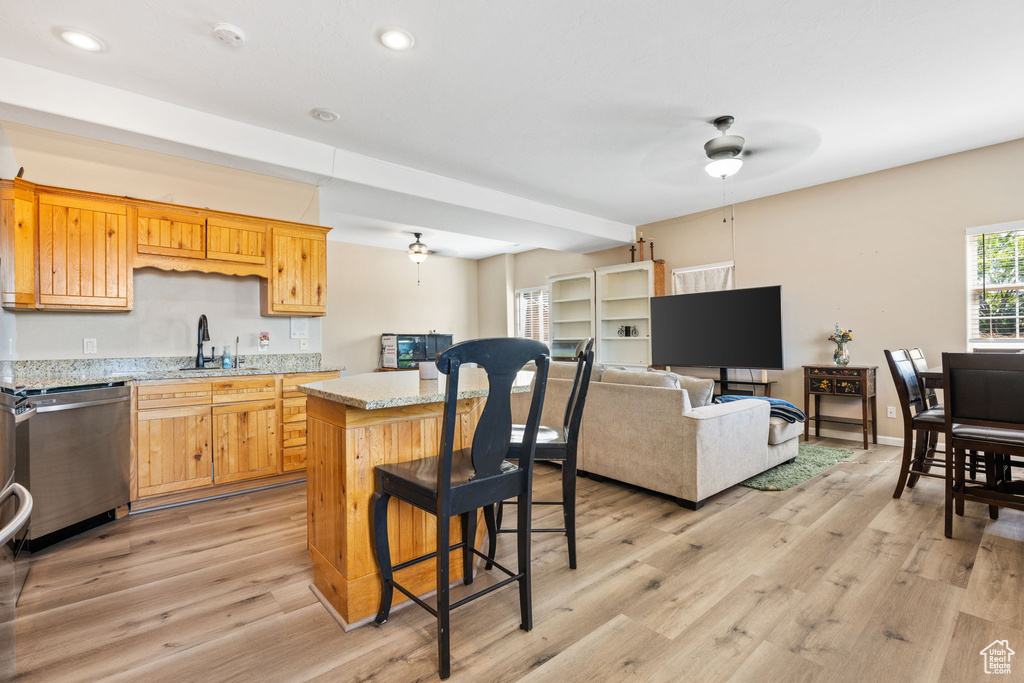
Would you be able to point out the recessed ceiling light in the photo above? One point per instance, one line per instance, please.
(324, 114)
(396, 39)
(229, 34)
(82, 40)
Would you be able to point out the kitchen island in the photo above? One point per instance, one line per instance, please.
(355, 423)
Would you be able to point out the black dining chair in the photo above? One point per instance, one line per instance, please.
(554, 445)
(919, 421)
(984, 412)
(461, 482)
(931, 398)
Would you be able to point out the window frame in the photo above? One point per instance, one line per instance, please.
(976, 286)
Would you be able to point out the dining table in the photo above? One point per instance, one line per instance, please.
(932, 377)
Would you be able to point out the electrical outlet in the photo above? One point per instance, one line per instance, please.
(890, 411)
(88, 346)
(303, 345)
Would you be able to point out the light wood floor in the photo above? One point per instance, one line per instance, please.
(831, 580)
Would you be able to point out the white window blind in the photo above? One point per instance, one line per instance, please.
(995, 285)
(533, 314)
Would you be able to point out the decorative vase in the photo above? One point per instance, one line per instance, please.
(841, 355)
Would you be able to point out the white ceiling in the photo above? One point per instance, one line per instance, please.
(590, 114)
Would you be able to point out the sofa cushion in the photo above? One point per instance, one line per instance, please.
(642, 379)
(560, 370)
(700, 389)
(781, 431)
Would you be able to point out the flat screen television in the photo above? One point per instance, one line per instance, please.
(732, 328)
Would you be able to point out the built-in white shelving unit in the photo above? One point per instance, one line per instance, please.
(624, 299)
(572, 311)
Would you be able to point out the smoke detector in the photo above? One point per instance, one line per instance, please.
(325, 115)
(724, 150)
(229, 34)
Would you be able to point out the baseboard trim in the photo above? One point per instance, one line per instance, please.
(882, 440)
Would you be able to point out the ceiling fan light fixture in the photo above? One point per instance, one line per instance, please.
(418, 251)
(723, 168)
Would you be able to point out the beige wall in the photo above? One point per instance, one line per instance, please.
(372, 291)
(883, 254)
(495, 301)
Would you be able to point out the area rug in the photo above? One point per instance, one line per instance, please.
(810, 460)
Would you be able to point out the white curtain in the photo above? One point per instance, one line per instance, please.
(704, 278)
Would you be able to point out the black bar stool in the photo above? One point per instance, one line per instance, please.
(461, 482)
(556, 445)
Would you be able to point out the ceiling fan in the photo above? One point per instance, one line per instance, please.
(724, 150)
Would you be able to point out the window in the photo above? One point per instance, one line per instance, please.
(533, 314)
(995, 285)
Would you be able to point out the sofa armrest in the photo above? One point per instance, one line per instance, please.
(726, 443)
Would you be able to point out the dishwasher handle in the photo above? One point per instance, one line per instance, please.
(53, 408)
(21, 516)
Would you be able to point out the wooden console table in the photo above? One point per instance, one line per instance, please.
(851, 381)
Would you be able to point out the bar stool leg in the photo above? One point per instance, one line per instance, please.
(444, 660)
(523, 533)
(569, 506)
(492, 535)
(380, 539)
(468, 538)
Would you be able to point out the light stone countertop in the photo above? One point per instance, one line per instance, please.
(45, 375)
(373, 390)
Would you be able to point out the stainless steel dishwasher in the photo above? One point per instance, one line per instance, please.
(76, 462)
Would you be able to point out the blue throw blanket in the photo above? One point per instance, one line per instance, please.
(779, 408)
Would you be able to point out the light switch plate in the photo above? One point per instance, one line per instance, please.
(88, 346)
(300, 328)
(890, 411)
(303, 345)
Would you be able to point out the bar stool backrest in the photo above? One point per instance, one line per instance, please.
(501, 358)
(580, 386)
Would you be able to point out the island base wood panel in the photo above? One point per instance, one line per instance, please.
(344, 445)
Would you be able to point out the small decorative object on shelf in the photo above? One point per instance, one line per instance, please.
(641, 242)
(627, 331)
(632, 254)
(841, 338)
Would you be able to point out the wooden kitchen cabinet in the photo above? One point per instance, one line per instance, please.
(297, 282)
(83, 257)
(244, 441)
(173, 447)
(164, 233)
(17, 246)
(293, 418)
(236, 240)
(71, 250)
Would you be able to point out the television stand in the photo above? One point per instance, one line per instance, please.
(725, 384)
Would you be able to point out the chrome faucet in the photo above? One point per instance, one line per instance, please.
(204, 336)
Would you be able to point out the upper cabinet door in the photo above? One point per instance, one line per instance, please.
(17, 246)
(235, 240)
(297, 284)
(83, 254)
(163, 233)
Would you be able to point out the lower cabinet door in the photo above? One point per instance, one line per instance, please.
(245, 441)
(173, 450)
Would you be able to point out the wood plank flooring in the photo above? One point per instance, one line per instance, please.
(830, 581)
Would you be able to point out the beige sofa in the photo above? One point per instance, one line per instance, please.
(660, 431)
